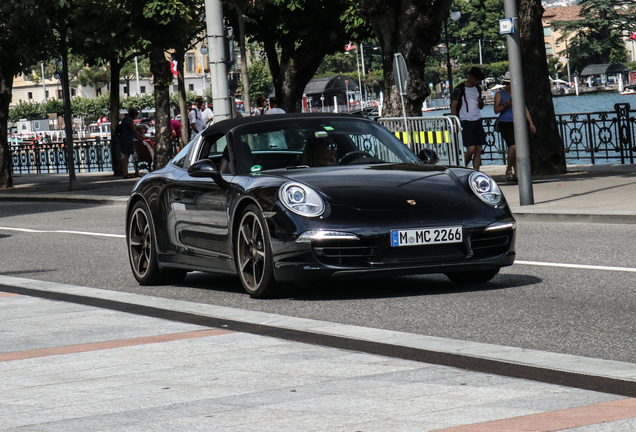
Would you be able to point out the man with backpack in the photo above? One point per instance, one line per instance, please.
(466, 101)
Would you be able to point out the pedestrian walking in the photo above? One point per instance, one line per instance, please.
(466, 101)
(196, 115)
(127, 134)
(175, 135)
(273, 107)
(503, 107)
(207, 114)
(260, 106)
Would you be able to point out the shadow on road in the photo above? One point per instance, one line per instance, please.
(405, 286)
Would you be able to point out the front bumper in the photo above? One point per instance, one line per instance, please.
(483, 248)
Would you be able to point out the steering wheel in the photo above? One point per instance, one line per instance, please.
(351, 156)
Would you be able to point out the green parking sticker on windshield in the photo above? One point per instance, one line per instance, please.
(255, 168)
(328, 128)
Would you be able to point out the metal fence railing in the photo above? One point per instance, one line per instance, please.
(441, 134)
(588, 138)
(88, 155)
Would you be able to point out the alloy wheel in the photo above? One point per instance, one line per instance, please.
(140, 243)
(252, 252)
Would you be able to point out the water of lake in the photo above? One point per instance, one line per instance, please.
(569, 104)
(588, 103)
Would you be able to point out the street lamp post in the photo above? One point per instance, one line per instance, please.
(204, 51)
(576, 81)
(46, 99)
(454, 15)
(363, 73)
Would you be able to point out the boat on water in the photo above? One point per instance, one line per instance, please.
(100, 129)
(629, 90)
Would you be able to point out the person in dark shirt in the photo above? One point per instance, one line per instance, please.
(127, 135)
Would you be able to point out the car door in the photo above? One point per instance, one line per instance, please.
(200, 209)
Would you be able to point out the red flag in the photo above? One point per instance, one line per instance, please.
(99, 121)
(349, 46)
(632, 36)
(173, 67)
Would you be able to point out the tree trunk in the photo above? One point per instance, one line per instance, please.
(547, 154)
(162, 76)
(412, 28)
(6, 86)
(183, 103)
(293, 72)
(115, 154)
(246, 80)
(68, 122)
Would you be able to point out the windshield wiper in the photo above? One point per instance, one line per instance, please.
(297, 167)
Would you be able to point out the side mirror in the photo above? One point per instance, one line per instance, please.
(428, 156)
(205, 168)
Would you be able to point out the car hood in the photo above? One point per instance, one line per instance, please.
(384, 187)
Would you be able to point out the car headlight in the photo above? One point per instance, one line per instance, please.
(485, 188)
(301, 199)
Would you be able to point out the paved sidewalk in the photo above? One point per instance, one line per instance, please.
(119, 366)
(587, 193)
(78, 358)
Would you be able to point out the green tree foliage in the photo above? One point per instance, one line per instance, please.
(190, 97)
(340, 63)
(597, 34)
(24, 40)
(34, 110)
(260, 79)
(95, 76)
(555, 67)
(479, 21)
(83, 107)
(296, 35)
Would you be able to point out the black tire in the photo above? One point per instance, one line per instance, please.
(254, 261)
(142, 252)
(472, 277)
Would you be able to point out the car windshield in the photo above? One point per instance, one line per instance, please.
(315, 143)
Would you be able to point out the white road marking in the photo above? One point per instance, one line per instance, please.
(63, 232)
(578, 266)
(531, 263)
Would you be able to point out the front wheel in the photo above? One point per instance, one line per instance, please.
(474, 276)
(254, 254)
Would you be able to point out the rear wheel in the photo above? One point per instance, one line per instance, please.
(254, 254)
(142, 251)
(475, 276)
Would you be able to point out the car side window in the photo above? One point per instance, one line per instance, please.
(181, 157)
(215, 148)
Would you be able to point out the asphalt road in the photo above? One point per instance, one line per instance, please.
(582, 311)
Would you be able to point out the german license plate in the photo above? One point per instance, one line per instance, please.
(425, 236)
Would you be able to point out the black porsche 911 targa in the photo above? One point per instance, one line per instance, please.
(293, 197)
